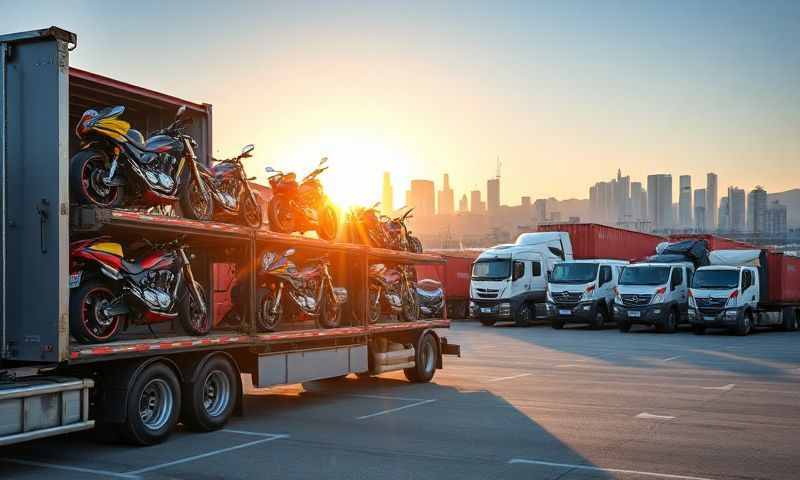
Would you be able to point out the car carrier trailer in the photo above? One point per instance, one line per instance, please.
(141, 385)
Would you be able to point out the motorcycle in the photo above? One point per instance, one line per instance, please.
(399, 235)
(117, 167)
(290, 291)
(300, 207)
(430, 295)
(108, 291)
(391, 290)
(230, 187)
(367, 227)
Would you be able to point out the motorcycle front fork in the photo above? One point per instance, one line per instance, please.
(192, 284)
(274, 307)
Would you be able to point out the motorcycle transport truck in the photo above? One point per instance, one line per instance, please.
(150, 374)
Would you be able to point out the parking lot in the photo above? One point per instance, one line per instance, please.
(528, 403)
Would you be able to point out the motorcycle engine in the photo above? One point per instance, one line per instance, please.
(394, 300)
(157, 288)
(160, 170)
(228, 189)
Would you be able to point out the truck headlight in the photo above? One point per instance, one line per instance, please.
(617, 296)
(549, 295)
(659, 296)
(587, 294)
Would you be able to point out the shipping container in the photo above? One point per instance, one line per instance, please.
(783, 273)
(715, 242)
(454, 275)
(592, 240)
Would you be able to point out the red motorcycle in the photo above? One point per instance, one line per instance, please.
(108, 291)
(301, 207)
(391, 290)
(367, 227)
(399, 235)
(230, 187)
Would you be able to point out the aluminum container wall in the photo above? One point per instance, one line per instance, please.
(715, 242)
(784, 278)
(592, 240)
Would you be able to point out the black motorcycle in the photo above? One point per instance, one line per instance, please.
(291, 291)
(230, 187)
(117, 167)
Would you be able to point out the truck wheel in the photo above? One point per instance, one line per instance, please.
(153, 406)
(669, 324)
(211, 398)
(790, 320)
(744, 325)
(599, 318)
(557, 324)
(523, 316)
(624, 325)
(487, 323)
(698, 329)
(425, 355)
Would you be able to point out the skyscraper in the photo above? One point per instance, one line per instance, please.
(700, 221)
(636, 203)
(421, 197)
(724, 222)
(776, 219)
(387, 196)
(736, 209)
(685, 201)
(622, 197)
(757, 210)
(659, 200)
(711, 201)
(446, 197)
(475, 203)
(493, 194)
(463, 204)
(540, 209)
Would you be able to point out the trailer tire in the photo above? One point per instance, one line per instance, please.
(153, 405)
(426, 352)
(211, 398)
(790, 320)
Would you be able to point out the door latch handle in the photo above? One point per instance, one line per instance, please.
(43, 209)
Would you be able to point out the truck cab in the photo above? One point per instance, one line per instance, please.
(509, 281)
(582, 291)
(655, 294)
(724, 297)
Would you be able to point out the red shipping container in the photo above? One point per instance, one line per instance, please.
(592, 240)
(454, 274)
(784, 278)
(715, 242)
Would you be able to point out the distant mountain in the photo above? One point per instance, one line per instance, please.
(790, 198)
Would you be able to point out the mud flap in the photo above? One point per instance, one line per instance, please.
(450, 348)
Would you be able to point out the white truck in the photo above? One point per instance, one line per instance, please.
(732, 293)
(582, 291)
(654, 294)
(509, 281)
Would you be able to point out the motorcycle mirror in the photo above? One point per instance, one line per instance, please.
(114, 111)
(247, 149)
(376, 205)
(270, 170)
(181, 112)
(289, 253)
(323, 161)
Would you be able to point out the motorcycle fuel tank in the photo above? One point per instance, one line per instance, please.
(164, 143)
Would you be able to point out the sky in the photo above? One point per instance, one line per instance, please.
(564, 92)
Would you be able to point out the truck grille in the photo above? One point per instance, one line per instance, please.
(710, 305)
(566, 298)
(635, 299)
(486, 292)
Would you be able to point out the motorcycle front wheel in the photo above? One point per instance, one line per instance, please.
(193, 319)
(330, 315)
(87, 169)
(195, 203)
(268, 320)
(414, 244)
(328, 223)
(87, 323)
(410, 310)
(374, 313)
(281, 217)
(251, 212)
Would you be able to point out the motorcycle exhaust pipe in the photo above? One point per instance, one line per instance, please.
(114, 310)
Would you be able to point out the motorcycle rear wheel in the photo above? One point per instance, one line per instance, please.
(328, 223)
(86, 321)
(193, 320)
(86, 171)
(280, 216)
(194, 204)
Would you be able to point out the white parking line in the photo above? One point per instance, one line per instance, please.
(671, 358)
(392, 410)
(386, 397)
(500, 379)
(269, 438)
(650, 416)
(725, 388)
(103, 473)
(607, 470)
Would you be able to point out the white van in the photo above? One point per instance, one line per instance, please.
(509, 281)
(653, 294)
(582, 291)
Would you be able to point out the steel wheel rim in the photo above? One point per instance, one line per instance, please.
(427, 356)
(156, 404)
(269, 320)
(599, 319)
(216, 393)
(93, 184)
(93, 318)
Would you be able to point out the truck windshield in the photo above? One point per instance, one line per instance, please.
(716, 279)
(574, 273)
(644, 276)
(497, 269)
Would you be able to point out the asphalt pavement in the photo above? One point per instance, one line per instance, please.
(526, 403)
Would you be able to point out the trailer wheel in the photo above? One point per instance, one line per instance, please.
(211, 397)
(425, 355)
(791, 319)
(153, 405)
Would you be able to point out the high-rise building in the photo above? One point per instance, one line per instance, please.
(525, 202)
(776, 219)
(540, 209)
(724, 221)
(757, 211)
(622, 197)
(463, 204)
(475, 203)
(685, 201)
(387, 196)
(636, 203)
(700, 221)
(493, 194)
(446, 197)
(711, 201)
(659, 200)
(421, 197)
(736, 209)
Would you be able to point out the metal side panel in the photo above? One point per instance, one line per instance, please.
(35, 236)
(298, 367)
